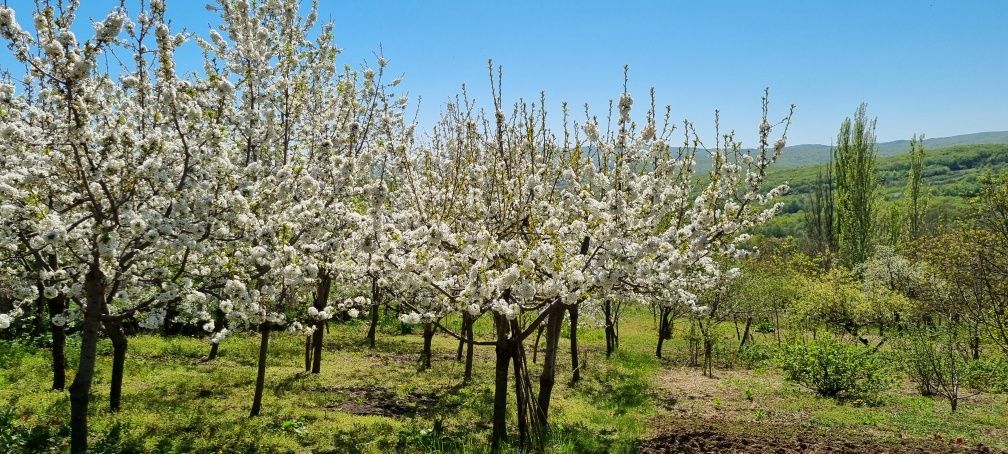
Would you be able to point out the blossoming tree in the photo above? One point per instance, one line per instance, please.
(107, 180)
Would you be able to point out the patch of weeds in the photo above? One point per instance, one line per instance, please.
(116, 440)
(381, 437)
(434, 438)
(16, 438)
(581, 439)
(618, 390)
(290, 426)
(13, 352)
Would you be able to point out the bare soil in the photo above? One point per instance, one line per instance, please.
(741, 411)
(377, 401)
(704, 436)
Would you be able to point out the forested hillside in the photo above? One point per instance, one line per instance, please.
(951, 174)
(802, 155)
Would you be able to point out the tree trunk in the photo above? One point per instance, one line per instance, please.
(38, 325)
(501, 366)
(547, 378)
(428, 337)
(264, 330)
(610, 346)
(119, 344)
(80, 389)
(321, 301)
(57, 306)
(708, 360)
(535, 347)
(308, 353)
(611, 333)
(695, 344)
(745, 334)
(462, 333)
(468, 334)
(373, 326)
(663, 329)
(575, 366)
(522, 387)
(214, 347)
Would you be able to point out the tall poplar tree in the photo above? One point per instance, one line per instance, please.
(916, 195)
(855, 196)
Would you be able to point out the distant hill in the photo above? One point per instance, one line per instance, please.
(811, 154)
(808, 154)
(951, 175)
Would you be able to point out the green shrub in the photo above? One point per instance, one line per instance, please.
(915, 358)
(764, 326)
(754, 355)
(988, 374)
(835, 368)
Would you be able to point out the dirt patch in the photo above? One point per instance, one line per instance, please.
(701, 436)
(393, 359)
(378, 401)
(732, 394)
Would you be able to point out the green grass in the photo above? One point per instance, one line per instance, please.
(172, 403)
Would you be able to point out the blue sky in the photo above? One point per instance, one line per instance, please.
(935, 67)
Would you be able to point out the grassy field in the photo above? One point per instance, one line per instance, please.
(376, 400)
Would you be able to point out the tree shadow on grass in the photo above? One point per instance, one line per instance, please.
(616, 390)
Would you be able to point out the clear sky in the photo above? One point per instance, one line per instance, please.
(936, 67)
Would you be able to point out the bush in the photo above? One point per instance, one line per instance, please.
(764, 326)
(938, 359)
(916, 351)
(834, 368)
(754, 355)
(990, 375)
